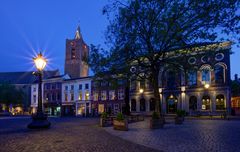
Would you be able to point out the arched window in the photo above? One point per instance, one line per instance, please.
(206, 102)
(152, 104)
(192, 77)
(219, 74)
(142, 105)
(193, 103)
(220, 102)
(206, 76)
(133, 105)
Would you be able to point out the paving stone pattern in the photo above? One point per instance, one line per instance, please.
(192, 136)
(65, 135)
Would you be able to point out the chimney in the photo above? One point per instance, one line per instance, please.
(236, 77)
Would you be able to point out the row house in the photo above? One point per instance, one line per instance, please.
(76, 96)
(108, 96)
(201, 85)
(51, 95)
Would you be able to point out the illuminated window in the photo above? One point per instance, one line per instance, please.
(87, 95)
(80, 96)
(103, 95)
(111, 95)
(206, 103)
(100, 108)
(220, 102)
(95, 96)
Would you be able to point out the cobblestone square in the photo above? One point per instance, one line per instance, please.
(83, 134)
(65, 135)
(192, 136)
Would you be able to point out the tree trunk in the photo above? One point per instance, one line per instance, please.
(156, 92)
(126, 98)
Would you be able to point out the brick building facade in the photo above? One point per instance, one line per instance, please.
(204, 87)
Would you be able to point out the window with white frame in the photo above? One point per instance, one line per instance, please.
(72, 87)
(120, 94)
(72, 96)
(66, 97)
(95, 96)
(86, 86)
(103, 95)
(80, 95)
(34, 98)
(80, 87)
(87, 95)
(112, 95)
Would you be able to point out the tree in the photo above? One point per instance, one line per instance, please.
(144, 31)
(9, 94)
(235, 87)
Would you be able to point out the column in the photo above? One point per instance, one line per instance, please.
(213, 101)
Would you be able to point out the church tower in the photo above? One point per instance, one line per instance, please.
(76, 51)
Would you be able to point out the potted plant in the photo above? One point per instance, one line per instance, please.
(156, 121)
(103, 119)
(120, 123)
(180, 116)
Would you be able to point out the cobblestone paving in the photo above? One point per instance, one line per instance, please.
(65, 135)
(192, 136)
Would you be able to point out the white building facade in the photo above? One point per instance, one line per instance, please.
(76, 96)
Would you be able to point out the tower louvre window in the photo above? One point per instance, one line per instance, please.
(73, 53)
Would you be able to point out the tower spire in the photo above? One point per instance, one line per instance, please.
(78, 33)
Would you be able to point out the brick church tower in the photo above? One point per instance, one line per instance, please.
(76, 50)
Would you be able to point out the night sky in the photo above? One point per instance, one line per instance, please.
(29, 26)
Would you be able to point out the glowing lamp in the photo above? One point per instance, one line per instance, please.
(141, 90)
(206, 86)
(40, 62)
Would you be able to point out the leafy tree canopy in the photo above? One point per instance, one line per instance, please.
(144, 31)
(9, 94)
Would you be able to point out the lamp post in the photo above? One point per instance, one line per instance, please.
(39, 120)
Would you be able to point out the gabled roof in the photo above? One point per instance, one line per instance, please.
(26, 77)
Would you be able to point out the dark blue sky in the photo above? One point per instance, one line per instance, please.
(28, 26)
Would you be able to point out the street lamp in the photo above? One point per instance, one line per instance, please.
(39, 120)
(206, 86)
